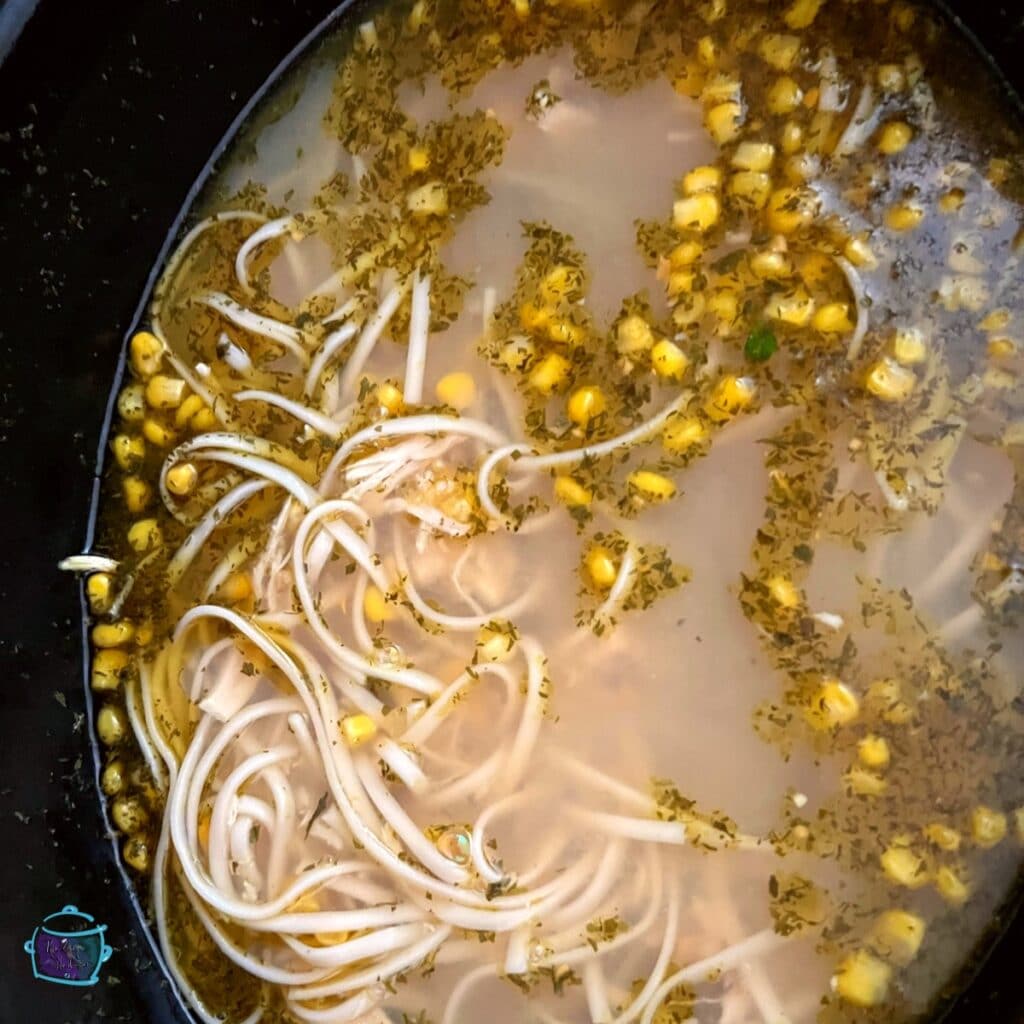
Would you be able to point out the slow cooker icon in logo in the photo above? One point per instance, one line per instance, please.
(68, 952)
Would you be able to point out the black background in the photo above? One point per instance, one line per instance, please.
(108, 112)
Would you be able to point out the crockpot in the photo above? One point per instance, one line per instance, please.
(108, 113)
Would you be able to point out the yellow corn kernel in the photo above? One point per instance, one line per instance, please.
(128, 451)
(832, 704)
(908, 346)
(236, 588)
(890, 381)
(891, 78)
(634, 334)
(942, 836)
(873, 751)
(680, 282)
(859, 253)
(721, 88)
(131, 403)
(650, 485)
(112, 634)
(753, 156)
(205, 420)
(376, 606)
(111, 725)
(702, 179)
(802, 13)
(164, 392)
(864, 782)
(751, 187)
(791, 138)
(988, 827)
(903, 867)
(1001, 348)
(723, 121)
(585, 405)
(794, 308)
(108, 669)
(188, 408)
(783, 591)
(516, 354)
(145, 535)
(495, 644)
(784, 96)
(601, 567)
(571, 493)
(136, 853)
(182, 479)
(952, 887)
(682, 433)
(358, 729)
(885, 696)
(156, 433)
(731, 395)
(146, 352)
(137, 493)
(129, 815)
(951, 201)
(771, 266)
(669, 360)
(457, 390)
(724, 304)
(863, 979)
(903, 216)
(550, 373)
(418, 159)
(1018, 822)
(894, 137)
(522, 9)
(563, 331)
(430, 200)
(389, 397)
(699, 212)
(780, 51)
(707, 51)
(561, 281)
(685, 254)
(689, 309)
(997, 320)
(897, 935)
(790, 210)
(833, 318)
(998, 170)
(112, 780)
(99, 591)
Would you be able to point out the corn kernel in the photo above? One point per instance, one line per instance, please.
(495, 644)
(998, 171)
(650, 485)
(859, 253)
(863, 979)
(724, 304)
(951, 201)
(236, 588)
(791, 138)
(376, 606)
(903, 867)
(128, 451)
(988, 827)
(942, 836)
(721, 88)
(833, 318)
(680, 282)
(357, 729)
(784, 96)
(771, 265)
(99, 591)
(680, 434)
(783, 592)
(873, 751)
(864, 782)
(389, 397)
(108, 668)
(430, 200)
(112, 634)
(802, 12)
(131, 403)
(894, 137)
(699, 212)
(751, 187)
(1001, 348)
(634, 334)
(669, 360)
(146, 351)
(903, 216)
(188, 408)
(951, 886)
(457, 390)
(685, 254)
(418, 159)
(833, 704)
(730, 395)
(885, 696)
(111, 725)
(560, 282)
(753, 156)
(689, 309)
(182, 479)
(145, 535)
(156, 433)
(780, 51)
(723, 121)
(1018, 821)
(585, 405)
(550, 373)
(563, 331)
(601, 567)
(164, 392)
(897, 935)
(997, 320)
(702, 179)
(707, 51)
(136, 853)
(204, 420)
(790, 210)
(137, 493)
(890, 381)
(112, 780)
(908, 346)
(129, 815)
(571, 493)
(516, 354)
(794, 308)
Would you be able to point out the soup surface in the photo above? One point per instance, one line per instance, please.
(563, 552)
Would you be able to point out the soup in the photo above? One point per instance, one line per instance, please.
(562, 553)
